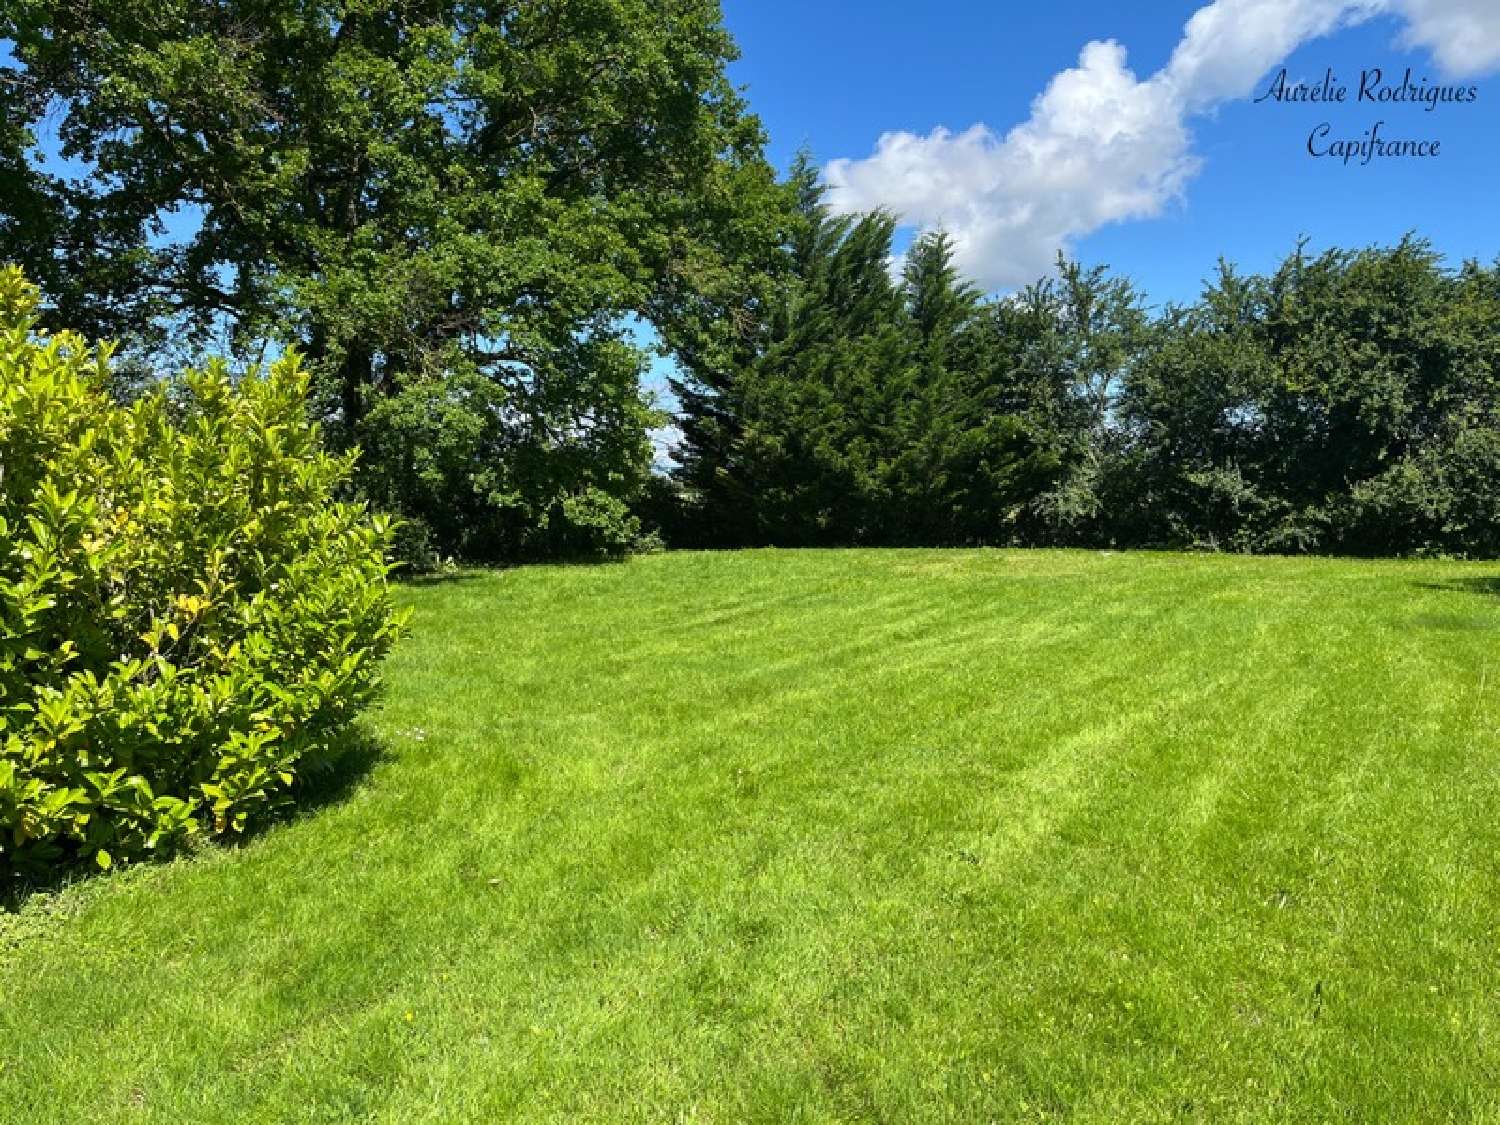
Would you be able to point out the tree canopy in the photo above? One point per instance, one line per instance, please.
(466, 205)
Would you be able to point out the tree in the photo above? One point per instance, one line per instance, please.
(1386, 378)
(819, 407)
(1057, 355)
(939, 301)
(968, 462)
(862, 414)
(781, 442)
(417, 191)
(1194, 407)
(1348, 402)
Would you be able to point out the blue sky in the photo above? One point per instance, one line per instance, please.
(1163, 174)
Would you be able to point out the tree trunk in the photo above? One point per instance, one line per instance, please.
(355, 374)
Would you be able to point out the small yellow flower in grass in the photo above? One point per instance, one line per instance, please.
(410, 1017)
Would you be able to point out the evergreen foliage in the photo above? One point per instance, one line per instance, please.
(857, 420)
(1349, 402)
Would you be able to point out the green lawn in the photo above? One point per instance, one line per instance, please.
(877, 836)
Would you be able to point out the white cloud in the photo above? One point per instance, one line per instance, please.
(1102, 146)
(1227, 46)
(1463, 35)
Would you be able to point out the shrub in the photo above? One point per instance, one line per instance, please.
(591, 523)
(469, 459)
(1444, 498)
(187, 618)
(411, 548)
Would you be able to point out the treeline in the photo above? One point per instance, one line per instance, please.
(467, 216)
(1348, 402)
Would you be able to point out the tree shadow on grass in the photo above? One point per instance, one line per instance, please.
(438, 578)
(473, 572)
(323, 781)
(1487, 585)
(1457, 620)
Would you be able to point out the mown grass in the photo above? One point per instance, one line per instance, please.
(815, 836)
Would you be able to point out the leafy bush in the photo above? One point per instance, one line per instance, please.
(461, 457)
(1442, 499)
(591, 523)
(412, 550)
(186, 616)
